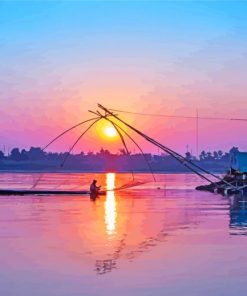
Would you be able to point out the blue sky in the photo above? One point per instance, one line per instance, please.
(62, 57)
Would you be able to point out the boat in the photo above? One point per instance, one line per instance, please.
(46, 192)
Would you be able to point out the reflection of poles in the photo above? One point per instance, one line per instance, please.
(104, 266)
(107, 265)
(37, 181)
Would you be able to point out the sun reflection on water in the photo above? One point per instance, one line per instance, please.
(110, 205)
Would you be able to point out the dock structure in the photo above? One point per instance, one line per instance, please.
(236, 176)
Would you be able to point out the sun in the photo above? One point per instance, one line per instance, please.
(110, 132)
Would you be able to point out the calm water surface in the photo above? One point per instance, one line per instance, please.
(140, 241)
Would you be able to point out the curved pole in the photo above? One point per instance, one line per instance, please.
(66, 131)
(78, 139)
(137, 145)
(120, 135)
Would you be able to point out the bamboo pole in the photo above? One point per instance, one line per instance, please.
(137, 145)
(78, 139)
(66, 131)
(171, 152)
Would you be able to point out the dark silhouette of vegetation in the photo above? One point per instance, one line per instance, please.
(37, 159)
(1, 155)
(215, 155)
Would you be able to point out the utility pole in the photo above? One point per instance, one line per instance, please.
(187, 148)
(197, 133)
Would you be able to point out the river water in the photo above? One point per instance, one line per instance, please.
(156, 238)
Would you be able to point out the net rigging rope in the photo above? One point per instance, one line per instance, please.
(179, 116)
(96, 119)
(180, 158)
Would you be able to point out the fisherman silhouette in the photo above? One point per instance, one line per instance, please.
(94, 190)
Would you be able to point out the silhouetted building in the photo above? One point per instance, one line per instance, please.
(238, 161)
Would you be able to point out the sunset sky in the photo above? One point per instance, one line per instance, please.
(60, 58)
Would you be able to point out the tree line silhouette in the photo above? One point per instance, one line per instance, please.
(36, 158)
(36, 153)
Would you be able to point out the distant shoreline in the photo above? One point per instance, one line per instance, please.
(98, 172)
(37, 161)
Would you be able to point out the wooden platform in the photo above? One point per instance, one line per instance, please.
(238, 187)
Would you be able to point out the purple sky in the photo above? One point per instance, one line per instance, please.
(58, 59)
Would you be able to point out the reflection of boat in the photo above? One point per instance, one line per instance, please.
(238, 214)
(46, 192)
